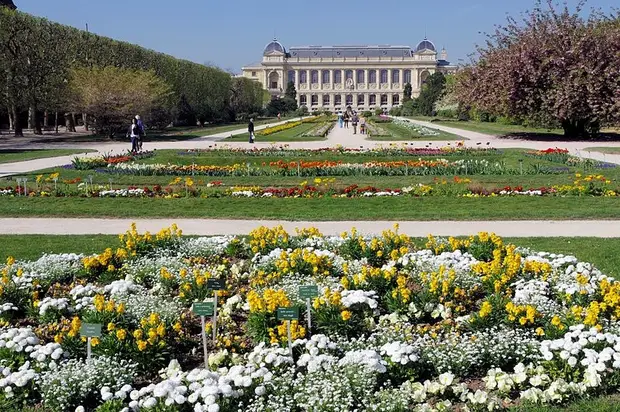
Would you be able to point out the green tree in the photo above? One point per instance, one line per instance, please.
(431, 93)
(113, 96)
(291, 92)
(246, 97)
(407, 92)
(7, 3)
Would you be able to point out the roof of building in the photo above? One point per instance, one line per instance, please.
(350, 51)
(425, 45)
(276, 46)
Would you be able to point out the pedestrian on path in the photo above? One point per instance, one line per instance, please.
(363, 125)
(340, 120)
(346, 120)
(354, 122)
(134, 134)
(141, 131)
(251, 130)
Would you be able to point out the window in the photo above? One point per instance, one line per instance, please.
(337, 76)
(396, 76)
(384, 76)
(337, 100)
(302, 100)
(372, 76)
(373, 99)
(253, 74)
(326, 100)
(303, 76)
(360, 76)
(291, 76)
(384, 99)
(349, 99)
(360, 99)
(274, 85)
(348, 75)
(395, 100)
(325, 76)
(407, 76)
(315, 100)
(314, 77)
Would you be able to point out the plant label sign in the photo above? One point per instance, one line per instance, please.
(288, 313)
(203, 308)
(308, 292)
(90, 330)
(216, 284)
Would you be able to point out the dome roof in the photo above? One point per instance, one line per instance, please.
(276, 46)
(425, 45)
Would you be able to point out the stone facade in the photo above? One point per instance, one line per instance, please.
(338, 77)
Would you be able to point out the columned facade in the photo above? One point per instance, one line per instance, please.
(334, 78)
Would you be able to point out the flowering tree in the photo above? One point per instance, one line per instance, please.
(552, 67)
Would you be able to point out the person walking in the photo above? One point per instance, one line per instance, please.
(354, 121)
(346, 120)
(340, 121)
(141, 131)
(134, 134)
(363, 125)
(251, 130)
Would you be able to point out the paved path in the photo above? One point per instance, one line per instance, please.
(605, 229)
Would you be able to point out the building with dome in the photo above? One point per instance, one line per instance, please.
(338, 77)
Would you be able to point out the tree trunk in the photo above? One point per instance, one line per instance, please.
(73, 120)
(17, 125)
(10, 120)
(31, 115)
(46, 119)
(85, 120)
(37, 124)
(69, 124)
(56, 121)
(580, 128)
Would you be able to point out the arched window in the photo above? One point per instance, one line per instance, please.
(407, 76)
(325, 76)
(396, 100)
(384, 76)
(372, 76)
(361, 99)
(326, 100)
(372, 99)
(348, 75)
(384, 99)
(274, 80)
(315, 100)
(423, 76)
(303, 76)
(291, 76)
(302, 100)
(337, 76)
(337, 100)
(360, 76)
(349, 99)
(395, 76)
(314, 77)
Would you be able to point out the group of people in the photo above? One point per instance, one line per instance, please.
(136, 132)
(354, 119)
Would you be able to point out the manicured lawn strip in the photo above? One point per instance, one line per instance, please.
(325, 209)
(598, 251)
(400, 133)
(496, 129)
(20, 155)
(293, 134)
(608, 150)
(600, 404)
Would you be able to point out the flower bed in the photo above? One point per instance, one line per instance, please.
(465, 324)
(286, 126)
(86, 163)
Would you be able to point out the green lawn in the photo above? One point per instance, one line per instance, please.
(321, 209)
(497, 129)
(401, 133)
(601, 404)
(293, 134)
(20, 155)
(607, 150)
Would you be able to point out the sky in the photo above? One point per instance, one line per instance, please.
(233, 33)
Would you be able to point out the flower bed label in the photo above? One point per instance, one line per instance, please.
(216, 284)
(308, 292)
(91, 330)
(288, 313)
(203, 308)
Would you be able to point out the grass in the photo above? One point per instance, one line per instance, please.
(401, 133)
(20, 155)
(600, 252)
(321, 209)
(293, 134)
(606, 150)
(600, 404)
(492, 128)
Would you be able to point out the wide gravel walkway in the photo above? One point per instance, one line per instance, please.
(61, 226)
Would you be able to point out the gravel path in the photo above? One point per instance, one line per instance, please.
(61, 226)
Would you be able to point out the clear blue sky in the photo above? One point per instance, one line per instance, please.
(233, 33)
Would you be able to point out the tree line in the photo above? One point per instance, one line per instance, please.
(46, 67)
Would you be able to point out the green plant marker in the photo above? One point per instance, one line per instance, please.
(288, 314)
(215, 285)
(90, 330)
(308, 292)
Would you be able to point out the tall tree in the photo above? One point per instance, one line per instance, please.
(431, 92)
(7, 3)
(407, 93)
(291, 92)
(553, 66)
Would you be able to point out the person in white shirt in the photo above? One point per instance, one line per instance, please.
(134, 134)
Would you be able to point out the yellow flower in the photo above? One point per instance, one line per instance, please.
(141, 345)
(94, 342)
(177, 327)
(346, 315)
(121, 334)
(540, 332)
(111, 327)
(137, 334)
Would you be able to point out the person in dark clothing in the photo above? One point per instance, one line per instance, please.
(251, 130)
(346, 120)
